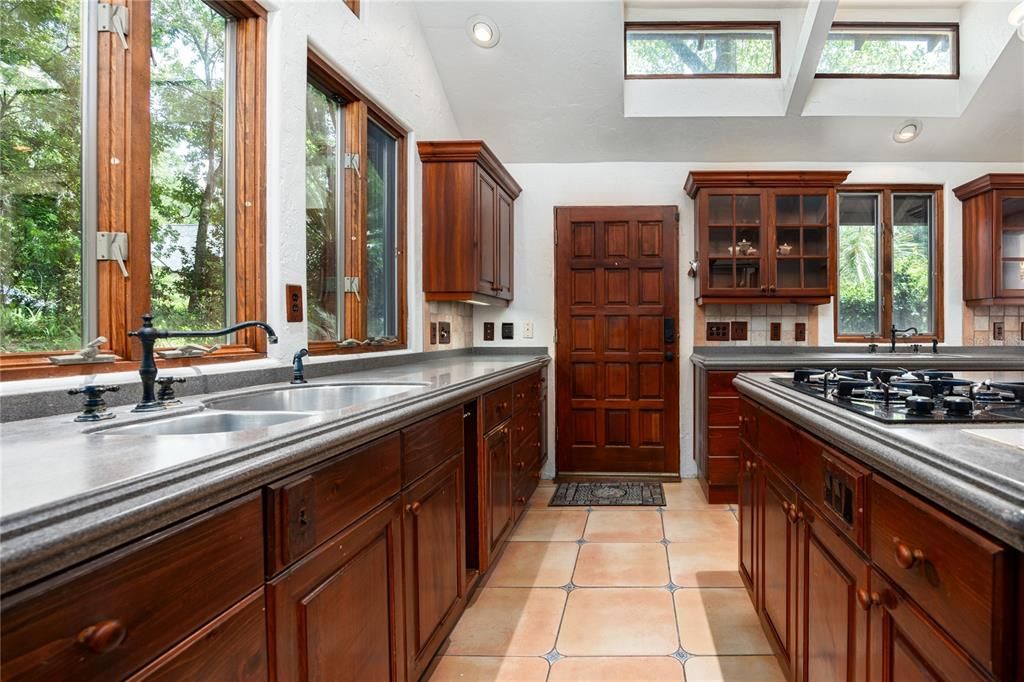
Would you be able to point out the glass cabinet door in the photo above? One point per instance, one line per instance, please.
(1010, 276)
(800, 245)
(734, 248)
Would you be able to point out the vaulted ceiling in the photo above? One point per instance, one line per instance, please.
(552, 90)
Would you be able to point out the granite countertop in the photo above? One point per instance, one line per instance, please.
(70, 492)
(828, 357)
(970, 469)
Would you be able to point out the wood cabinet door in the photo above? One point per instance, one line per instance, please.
(435, 560)
(832, 604)
(486, 233)
(498, 473)
(337, 614)
(906, 646)
(778, 560)
(747, 490)
(732, 243)
(1008, 260)
(503, 250)
(801, 242)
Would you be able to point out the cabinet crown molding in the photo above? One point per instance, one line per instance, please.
(472, 151)
(698, 180)
(987, 183)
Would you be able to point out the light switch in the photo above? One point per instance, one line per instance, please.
(527, 330)
(507, 331)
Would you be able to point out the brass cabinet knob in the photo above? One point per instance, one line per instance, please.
(906, 556)
(103, 637)
(868, 599)
(414, 508)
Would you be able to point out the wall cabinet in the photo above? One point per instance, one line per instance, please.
(765, 236)
(468, 223)
(887, 587)
(993, 246)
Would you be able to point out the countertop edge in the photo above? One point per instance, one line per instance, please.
(42, 541)
(964, 490)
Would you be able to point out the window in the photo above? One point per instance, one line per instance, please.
(690, 50)
(355, 218)
(159, 137)
(855, 50)
(890, 266)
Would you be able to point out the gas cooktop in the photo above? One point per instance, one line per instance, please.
(912, 397)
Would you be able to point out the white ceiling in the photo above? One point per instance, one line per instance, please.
(552, 91)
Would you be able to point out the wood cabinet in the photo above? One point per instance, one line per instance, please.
(765, 236)
(435, 561)
(993, 244)
(498, 455)
(855, 578)
(468, 223)
(716, 434)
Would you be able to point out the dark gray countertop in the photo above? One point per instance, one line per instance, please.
(976, 477)
(777, 358)
(70, 493)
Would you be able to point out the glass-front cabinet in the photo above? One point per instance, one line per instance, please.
(993, 240)
(765, 235)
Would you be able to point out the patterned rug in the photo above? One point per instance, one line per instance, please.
(608, 493)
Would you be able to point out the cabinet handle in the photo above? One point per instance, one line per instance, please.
(749, 464)
(520, 396)
(414, 508)
(537, 444)
(906, 557)
(867, 600)
(793, 515)
(502, 406)
(536, 475)
(103, 637)
(520, 500)
(520, 465)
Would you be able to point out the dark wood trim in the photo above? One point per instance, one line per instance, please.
(325, 76)
(698, 180)
(353, 5)
(987, 183)
(773, 26)
(476, 151)
(938, 290)
(239, 9)
(884, 25)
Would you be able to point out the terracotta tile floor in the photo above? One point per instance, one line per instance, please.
(614, 595)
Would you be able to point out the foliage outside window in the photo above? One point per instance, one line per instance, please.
(181, 176)
(355, 225)
(889, 266)
(891, 51)
(688, 50)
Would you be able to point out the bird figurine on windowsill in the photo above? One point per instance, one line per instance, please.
(87, 356)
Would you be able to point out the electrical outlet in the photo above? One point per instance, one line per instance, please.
(800, 331)
(433, 333)
(444, 332)
(998, 331)
(293, 299)
(507, 331)
(775, 331)
(488, 331)
(717, 331)
(738, 330)
(527, 330)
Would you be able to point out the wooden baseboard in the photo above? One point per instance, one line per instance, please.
(583, 477)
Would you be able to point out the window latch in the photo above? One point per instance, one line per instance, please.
(352, 287)
(352, 161)
(113, 19)
(113, 246)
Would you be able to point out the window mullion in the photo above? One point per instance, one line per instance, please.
(340, 220)
(886, 264)
(90, 71)
(355, 219)
(230, 165)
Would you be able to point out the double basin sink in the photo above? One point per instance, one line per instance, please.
(264, 409)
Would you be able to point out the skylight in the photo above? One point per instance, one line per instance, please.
(860, 50)
(706, 50)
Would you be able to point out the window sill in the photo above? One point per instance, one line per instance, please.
(324, 348)
(38, 366)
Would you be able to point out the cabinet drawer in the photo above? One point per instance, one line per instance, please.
(430, 442)
(723, 470)
(497, 406)
(110, 617)
(233, 647)
(957, 576)
(779, 443)
(525, 428)
(526, 393)
(724, 442)
(723, 412)
(748, 420)
(837, 486)
(525, 461)
(311, 506)
(720, 384)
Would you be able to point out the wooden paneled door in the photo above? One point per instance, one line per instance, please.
(616, 317)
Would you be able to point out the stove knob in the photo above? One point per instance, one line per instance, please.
(958, 405)
(918, 404)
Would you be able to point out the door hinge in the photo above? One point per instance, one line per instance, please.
(352, 162)
(677, 216)
(556, 334)
(556, 236)
(113, 18)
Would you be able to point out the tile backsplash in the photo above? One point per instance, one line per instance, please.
(979, 323)
(456, 313)
(759, 318)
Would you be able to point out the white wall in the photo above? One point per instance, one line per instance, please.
(546, 186)
(384, 53)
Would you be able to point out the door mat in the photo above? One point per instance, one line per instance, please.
(608, 494)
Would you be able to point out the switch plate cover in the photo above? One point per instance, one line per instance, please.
(293, 301)
(433, 333)
(488, 331)
(739, 330)
(775, 331)
(507, 331)
(527, 330)
(444, 332)
(998, 331)
(717, 331)
(800, 331)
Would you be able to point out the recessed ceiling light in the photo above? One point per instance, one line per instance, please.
(1016, 18)
(483, 31)
(908, 130)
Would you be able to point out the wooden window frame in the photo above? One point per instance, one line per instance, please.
(774, 26)
(354, 6)
(123, 134)
(885, 193)
(953, 26)
(359, 109)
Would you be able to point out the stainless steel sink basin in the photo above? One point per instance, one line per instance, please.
(313, 397)
(205, 423)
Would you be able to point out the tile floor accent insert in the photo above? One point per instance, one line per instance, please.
(601, 594)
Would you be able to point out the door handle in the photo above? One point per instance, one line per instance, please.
(670, 356)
